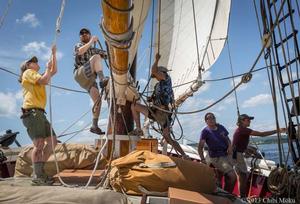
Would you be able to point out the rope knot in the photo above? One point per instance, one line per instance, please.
(246, 78)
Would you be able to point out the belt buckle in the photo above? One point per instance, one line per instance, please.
(33, 111)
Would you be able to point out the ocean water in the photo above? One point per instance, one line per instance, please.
(271, 152)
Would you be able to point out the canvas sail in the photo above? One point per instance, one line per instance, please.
(178, 47)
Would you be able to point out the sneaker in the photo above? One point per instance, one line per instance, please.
(103, 82)
(97, 130)
(136, 132)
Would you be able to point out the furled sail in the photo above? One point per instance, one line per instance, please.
(122, 26)
(177, 40)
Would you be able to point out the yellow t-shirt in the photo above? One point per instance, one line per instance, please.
(34, 94)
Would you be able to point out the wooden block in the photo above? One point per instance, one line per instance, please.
(179, 196)
(78, 176)
(147, 144)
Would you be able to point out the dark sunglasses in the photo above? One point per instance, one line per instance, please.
(84, 32)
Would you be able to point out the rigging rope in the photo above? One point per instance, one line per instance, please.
(245, 77)
(233, 82)
(151, 44)
(267, 55)
(196, 37)
(57, 32)
(287, 67)
(5, 13)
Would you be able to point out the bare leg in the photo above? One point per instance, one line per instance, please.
(94, 93)
(243, 184)
(48, 147)
(230, 179)
(136, 109)
(96, 64)
(175, 144)
(38, 158)
(37, 152)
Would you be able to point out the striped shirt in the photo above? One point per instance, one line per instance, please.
(80, 60)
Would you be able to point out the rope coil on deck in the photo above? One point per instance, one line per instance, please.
(277, 181)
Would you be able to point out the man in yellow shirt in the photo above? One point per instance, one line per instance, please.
(34, 119)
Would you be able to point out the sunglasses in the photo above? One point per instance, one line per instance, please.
(84, 32)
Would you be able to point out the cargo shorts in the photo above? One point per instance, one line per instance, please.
(85, 77)
(164, 119)
(37, 124)
(224, 163)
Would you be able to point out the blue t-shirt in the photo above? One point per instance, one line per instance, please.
(216, 140)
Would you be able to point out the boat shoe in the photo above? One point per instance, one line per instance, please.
(103, 82)
(97, 130)
(42, 181)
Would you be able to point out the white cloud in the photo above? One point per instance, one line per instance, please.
(40, 49)
(9, 104)
(30, 19)
(261, 99)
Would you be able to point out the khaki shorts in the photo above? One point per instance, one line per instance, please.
(37, 125)
(224, 164)
(164, 119)
(84, 76)
(239, 163)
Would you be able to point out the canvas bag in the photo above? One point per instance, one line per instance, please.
(156, 172)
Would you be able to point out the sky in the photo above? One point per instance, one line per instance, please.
(29, 28)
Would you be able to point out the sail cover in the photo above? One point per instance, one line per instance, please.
(178, 46)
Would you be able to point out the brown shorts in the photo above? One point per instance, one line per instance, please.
(37, 124)
(164, 119)
(85, 77)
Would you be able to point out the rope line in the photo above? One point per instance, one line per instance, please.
(5, 13)
(233, 82)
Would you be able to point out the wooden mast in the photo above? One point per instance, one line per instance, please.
(117, 30)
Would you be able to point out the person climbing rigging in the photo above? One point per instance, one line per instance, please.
(33, 114)
(162, 97)
(87, 67)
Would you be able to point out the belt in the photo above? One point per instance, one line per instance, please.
(29, 110)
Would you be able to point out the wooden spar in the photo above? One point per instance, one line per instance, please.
(117, 29)
(117, 23)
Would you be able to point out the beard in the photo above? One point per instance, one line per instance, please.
(85, 39)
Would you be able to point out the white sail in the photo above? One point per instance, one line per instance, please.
(178, 46)
(139, 15)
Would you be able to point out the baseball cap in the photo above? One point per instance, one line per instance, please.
(245, 116)
(25, 63)
(82, 30)
(162, 69)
